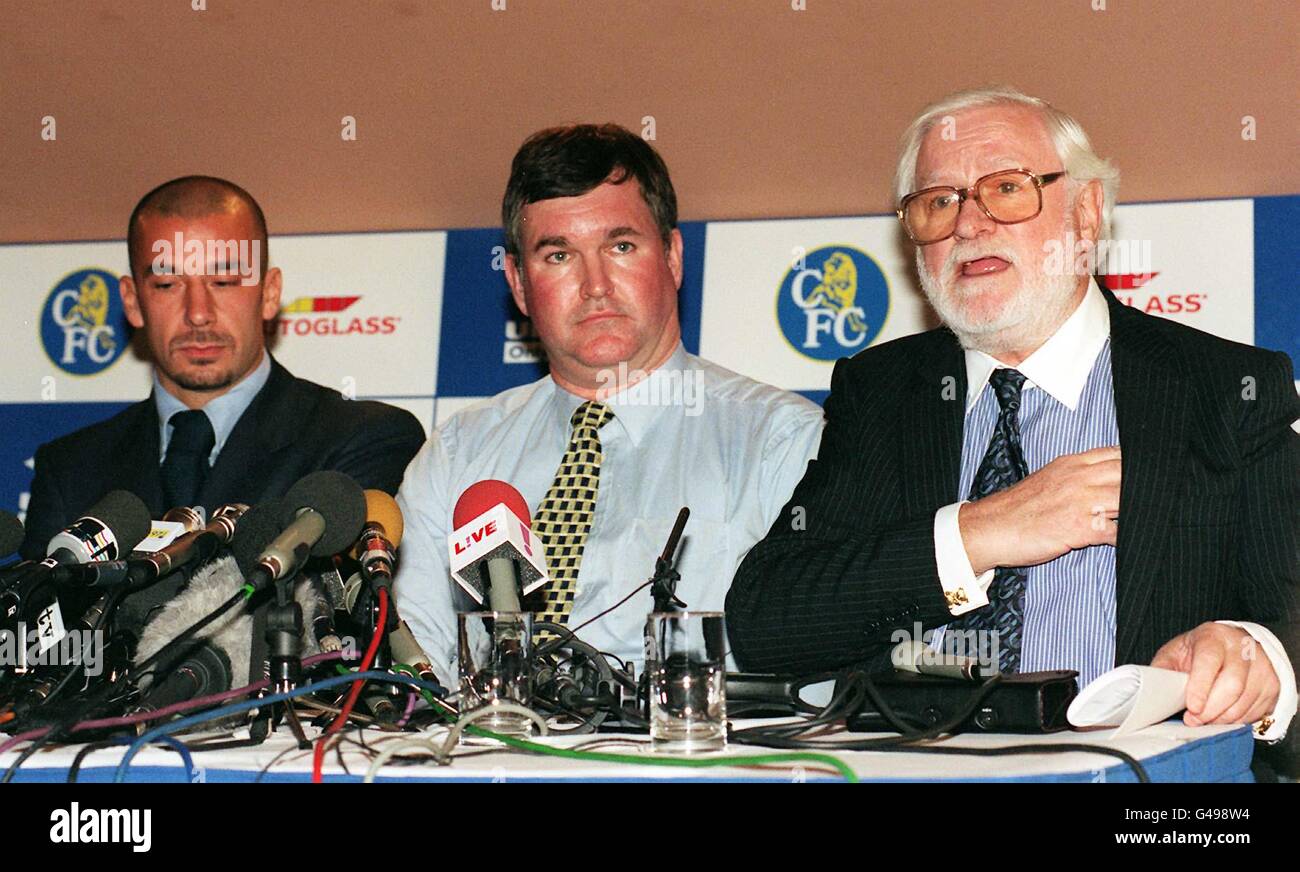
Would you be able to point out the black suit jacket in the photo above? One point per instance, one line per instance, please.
(292, 427)
(1209, 498)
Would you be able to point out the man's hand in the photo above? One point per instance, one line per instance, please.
(1070, 503)
(1231, 680)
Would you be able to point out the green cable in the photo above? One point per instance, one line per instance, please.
(690, 762)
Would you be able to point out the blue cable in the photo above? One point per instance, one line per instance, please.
(165, 730)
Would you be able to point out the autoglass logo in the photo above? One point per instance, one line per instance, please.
(832, 302)
(83, 327)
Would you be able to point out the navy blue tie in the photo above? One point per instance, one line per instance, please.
(1003, 465)
(186, 465)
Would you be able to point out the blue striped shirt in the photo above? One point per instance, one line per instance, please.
(1069, 601)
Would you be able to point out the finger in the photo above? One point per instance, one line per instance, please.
(1262, 708)
(1099, 455)
(1229, 686)
(1103, 498)
(1105, 472)
(1269, 691)
(1207, 659)
(1170, 654)
(1238, 712)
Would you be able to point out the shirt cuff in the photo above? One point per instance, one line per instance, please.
(1273, 727)
(963, 591)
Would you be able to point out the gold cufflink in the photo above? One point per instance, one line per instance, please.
(956, 597)
(1264, 726)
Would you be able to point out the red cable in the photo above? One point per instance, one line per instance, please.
(319, 757)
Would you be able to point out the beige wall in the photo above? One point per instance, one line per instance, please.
(760, 110)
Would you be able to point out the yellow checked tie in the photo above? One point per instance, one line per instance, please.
(563, 519)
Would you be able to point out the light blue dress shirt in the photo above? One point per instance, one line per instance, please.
(224, 412)
(693, 434)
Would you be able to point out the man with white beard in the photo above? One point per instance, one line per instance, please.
(1063, 481)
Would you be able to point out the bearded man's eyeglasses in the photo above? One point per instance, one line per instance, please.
(1007, 197)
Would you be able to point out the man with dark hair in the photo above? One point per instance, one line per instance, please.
(627, 428)
(225, 422)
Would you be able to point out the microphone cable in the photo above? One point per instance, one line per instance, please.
(318, 758)
(910, 735)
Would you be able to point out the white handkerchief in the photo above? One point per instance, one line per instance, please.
(1131, 698)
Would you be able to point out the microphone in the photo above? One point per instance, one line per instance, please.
(11, 533)
(376, 549)
(494, 555)
(195, 547)
(207, 670)
(108, 531)
(408, 652)
(192, 671)
(919, 658)
(190, 518)
(663, 584)
(323, 513)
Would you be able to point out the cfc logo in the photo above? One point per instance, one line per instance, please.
(832, 302)
(82, 325)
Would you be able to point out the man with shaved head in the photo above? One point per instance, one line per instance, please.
(225, 422)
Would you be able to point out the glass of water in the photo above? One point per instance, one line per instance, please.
(686, 661)
(495, 650)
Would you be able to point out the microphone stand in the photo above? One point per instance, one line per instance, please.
(283, 641)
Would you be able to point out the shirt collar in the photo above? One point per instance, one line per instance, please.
(636, 407)
(1060, 366)
(223, 412)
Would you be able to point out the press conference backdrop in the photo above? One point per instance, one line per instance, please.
(424, 320)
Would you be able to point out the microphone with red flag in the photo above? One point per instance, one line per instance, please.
(494, 555)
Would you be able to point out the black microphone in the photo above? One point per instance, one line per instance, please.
(108, 530)
(663, 584)
(207, 670)
(324, 513)
(192, 548)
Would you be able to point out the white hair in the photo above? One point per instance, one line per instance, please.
(1081, 163)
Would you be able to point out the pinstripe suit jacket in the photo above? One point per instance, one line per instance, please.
(1209, 500)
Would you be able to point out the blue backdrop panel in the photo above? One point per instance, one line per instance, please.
(26, 426)
(1277, 251)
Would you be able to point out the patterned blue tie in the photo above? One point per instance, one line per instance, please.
(1003, 465)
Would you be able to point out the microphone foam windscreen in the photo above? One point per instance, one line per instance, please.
(483, 495)
(255, 530)
(336, 497)
(126, 515)
(382, 509)
(11, 533)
